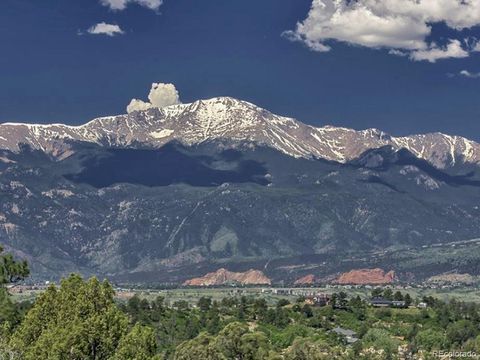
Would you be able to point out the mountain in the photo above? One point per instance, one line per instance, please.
(224, 184)
(231, 120)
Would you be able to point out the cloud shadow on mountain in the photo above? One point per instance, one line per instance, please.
(171, 164)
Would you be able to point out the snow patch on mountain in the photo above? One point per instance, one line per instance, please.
(162, 133)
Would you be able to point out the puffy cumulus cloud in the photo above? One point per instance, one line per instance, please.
(355, 23)
(105, 29)
(399, 25)
(469, 74)
(160, 95)
(138, 105)
(122, 4)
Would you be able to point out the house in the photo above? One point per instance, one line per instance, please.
(399, 304)
(422, 305)
(380, 302)
(282, 291)
(350, 336)
(318, 300)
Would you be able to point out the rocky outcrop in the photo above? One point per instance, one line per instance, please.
(223, 276)
(366, 276)
(450, 278)
(306, 280)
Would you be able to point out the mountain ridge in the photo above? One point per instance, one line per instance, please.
(233, 121)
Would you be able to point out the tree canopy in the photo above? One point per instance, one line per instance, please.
(80, 320)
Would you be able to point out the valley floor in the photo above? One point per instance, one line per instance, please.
(273, 294)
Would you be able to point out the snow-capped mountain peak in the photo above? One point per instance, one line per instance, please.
(232, 120)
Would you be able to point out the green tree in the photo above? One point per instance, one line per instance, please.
(204, 303)
(388, 294)
(430, 339)
(339, 300)
(398, 296)
(473, 345)
(380, 339)
(234, 342)
(213, 320)
(133, 307)
(229, 340)
(305, 349)
(254, 346)
(8, 310)
(181, 305)
(291, 332)
(342, 299)
(192, 327)
(408, 299)
(157, 309)
(138, 344)
(460, 331)
(202, 347)
(307, 311)
(259, 308)
(358, 308)
(11, 270)
(6, 351)
(80, 319)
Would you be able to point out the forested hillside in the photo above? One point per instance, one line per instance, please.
(82, 319)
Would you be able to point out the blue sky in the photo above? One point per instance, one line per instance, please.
(53, 70)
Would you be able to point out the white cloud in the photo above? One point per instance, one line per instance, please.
(122, 4)
(312, 45)
(452, 50)
(470, 75)
(160, 95)
(397, 52)
(105, 29)
(400, 25)
(476, 47)
(138, 105)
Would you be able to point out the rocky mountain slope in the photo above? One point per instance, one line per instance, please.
(233, 121)
(130, 212)
(167, 194)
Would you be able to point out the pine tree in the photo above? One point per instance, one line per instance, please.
(80, 319)
(138, 344)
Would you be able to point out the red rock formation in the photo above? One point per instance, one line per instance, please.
(223, 276)
(306, 280)
(366, 276)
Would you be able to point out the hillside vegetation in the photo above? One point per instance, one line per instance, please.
(80, 319)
